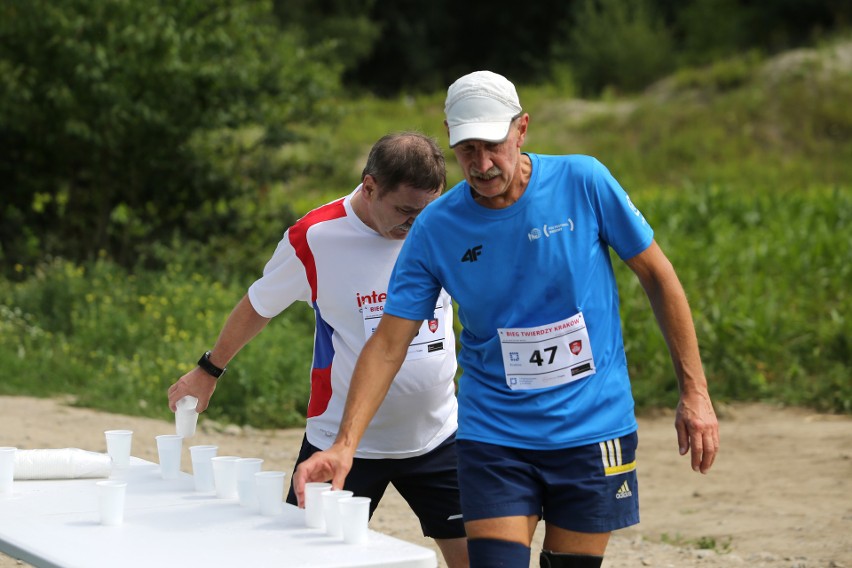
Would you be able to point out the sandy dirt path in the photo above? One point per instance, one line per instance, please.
(779, 495)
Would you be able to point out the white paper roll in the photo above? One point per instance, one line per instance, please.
(64, 463)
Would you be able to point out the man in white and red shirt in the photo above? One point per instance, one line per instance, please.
(338, 258)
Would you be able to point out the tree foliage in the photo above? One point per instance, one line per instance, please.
(421, 48)
(114, 114)
(130, 122)
(619, 43)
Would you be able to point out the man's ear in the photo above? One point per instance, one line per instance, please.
(523, 123)
(369, 187)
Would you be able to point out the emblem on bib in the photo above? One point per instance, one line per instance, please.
(430, 338)
(547, 355)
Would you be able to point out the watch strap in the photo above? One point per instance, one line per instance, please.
(209, 368)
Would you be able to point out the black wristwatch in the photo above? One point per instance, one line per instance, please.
(209, 367)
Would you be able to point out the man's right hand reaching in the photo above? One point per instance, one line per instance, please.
(242, 325)
(332, 464)
(195, 383)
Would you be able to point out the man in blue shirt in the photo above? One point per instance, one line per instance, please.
(546, 422)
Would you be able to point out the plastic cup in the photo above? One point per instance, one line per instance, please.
(202, 468)
(331, 511)
(313, 504)
(118, 444)
(7, 468)
(169, 449)
(186, 416)
(270, 491)
(354, 516)
(225, 476)
(111, 501)
(246, 492)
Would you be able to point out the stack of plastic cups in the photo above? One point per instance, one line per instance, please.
(186, 417)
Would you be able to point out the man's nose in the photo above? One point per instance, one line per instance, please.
(482, 160)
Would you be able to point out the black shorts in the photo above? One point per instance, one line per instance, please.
(429, 483)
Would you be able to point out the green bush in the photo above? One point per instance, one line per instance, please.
(619, 44)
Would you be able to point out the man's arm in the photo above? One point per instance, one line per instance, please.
(242, 325)
(377, 365)
(695, 421)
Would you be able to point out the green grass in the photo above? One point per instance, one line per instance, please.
(744, 170)
(721, 546)
(117, 341)
(767, 281)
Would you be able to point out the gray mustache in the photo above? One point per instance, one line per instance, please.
(492, 172)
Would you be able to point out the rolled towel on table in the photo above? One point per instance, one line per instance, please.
(64, 463)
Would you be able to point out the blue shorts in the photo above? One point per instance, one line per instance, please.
(588, 489)
(429, 483)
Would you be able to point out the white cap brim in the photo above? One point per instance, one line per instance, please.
(485, 131)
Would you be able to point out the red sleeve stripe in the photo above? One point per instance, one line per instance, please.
(299, 238)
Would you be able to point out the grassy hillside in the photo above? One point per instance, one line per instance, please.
(782, 124)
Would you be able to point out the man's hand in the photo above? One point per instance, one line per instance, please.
(332, 464)
(697, 430)
(195, 383)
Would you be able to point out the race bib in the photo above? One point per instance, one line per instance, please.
(430, 340)
(548, 355)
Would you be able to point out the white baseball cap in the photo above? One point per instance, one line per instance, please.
(481, 106)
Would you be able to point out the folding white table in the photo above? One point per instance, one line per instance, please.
(54, 524)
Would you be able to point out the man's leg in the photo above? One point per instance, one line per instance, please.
(502, 503)
(591, 491)
(500, 542)
(583, 494)
(549, 559)
(454, 551)
(561, 540)
(429, 484)
(570, 549)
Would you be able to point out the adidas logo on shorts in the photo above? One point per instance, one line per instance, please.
(623, 492)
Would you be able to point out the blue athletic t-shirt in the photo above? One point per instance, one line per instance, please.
(541, 260)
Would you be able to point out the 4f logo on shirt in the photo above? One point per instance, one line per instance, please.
(472, 254)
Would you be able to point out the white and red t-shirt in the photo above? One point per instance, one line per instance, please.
(341, 267)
